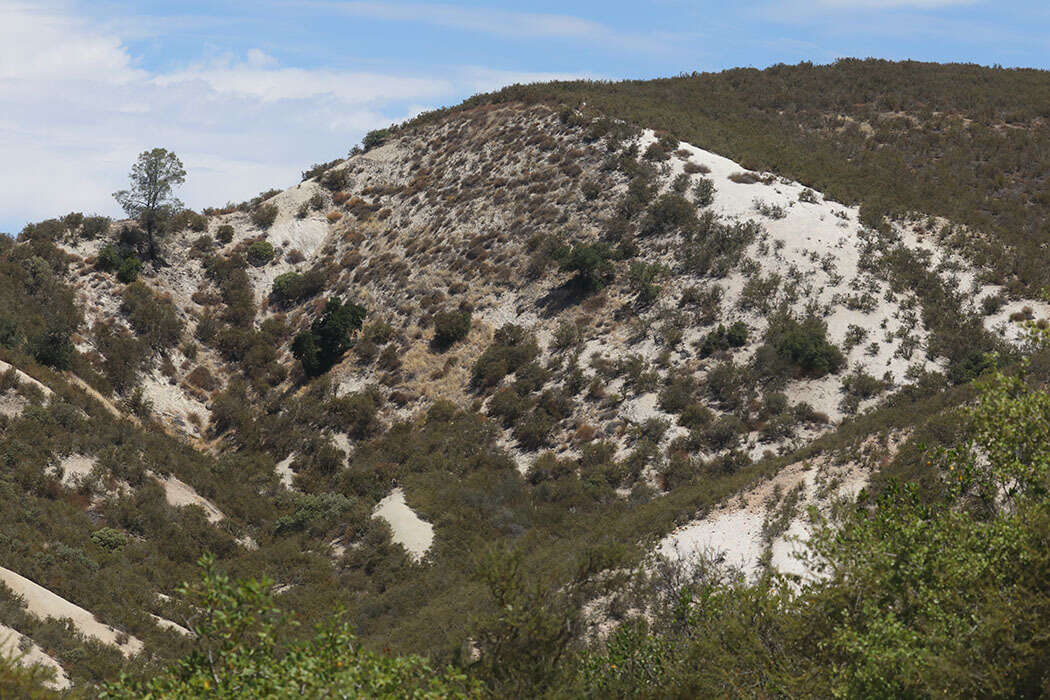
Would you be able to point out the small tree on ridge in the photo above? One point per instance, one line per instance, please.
(149, 198)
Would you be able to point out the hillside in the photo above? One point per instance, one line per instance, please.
(592, 337)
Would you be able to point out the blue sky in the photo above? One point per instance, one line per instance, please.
(250, 93)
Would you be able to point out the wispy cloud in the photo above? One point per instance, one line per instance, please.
(892, 4)
(501, 23)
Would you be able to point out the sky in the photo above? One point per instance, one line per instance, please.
(249, 94)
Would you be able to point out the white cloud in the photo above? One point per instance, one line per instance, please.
(42, 44)
(75, 110)
(269, 83)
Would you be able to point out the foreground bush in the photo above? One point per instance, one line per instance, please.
(241, 651)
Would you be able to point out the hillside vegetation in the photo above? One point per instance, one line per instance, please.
(719, 385)
(962, 141)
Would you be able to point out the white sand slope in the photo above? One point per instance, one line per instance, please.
(169, 625)
(180, 494)
(76, 469)
(733, 531)
(43, 603)
(14, 645)
(23, 377)
(410, 531)
(284, 471)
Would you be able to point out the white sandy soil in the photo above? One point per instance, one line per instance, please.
(179, 494)
(29, 654)
(43, 603)
(409, 530)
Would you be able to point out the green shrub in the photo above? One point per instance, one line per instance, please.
(355, 414)
(224, 234)
(592, 264)
(123, 355)
(450, 327)
(129, 269)
(94, 226)
(534, 431)
(109, 539)
(670, 213)
(641, 279)
(722, 338)
(10, 336)
(695, 416)
(512, 347)
(530, 377)
(992, 303)
(335, 180)
(120, 259)
(319, 168)
(507, 405)
(52, 347)
(678, 394)
(259, 253)
(804, 345)
(317, 514)
(293, 287)
(154, 318)
(724, 433)
(375, 138)
(264, 215)
(704, 192)
(329, 336)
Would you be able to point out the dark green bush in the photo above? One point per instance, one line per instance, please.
(123, 355)
(259, 253)
(293, 287)
(641, 279)
(375, 138)
(10, 335)
(534, 431)
(592, 264)
(450, 327)
(329, 336)
(678, 393)
(129, 269)
(722, 338)
(120, 259)
(224, 234)
(335, 180)
(695, 416)
(804, 345)
(724, 433)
